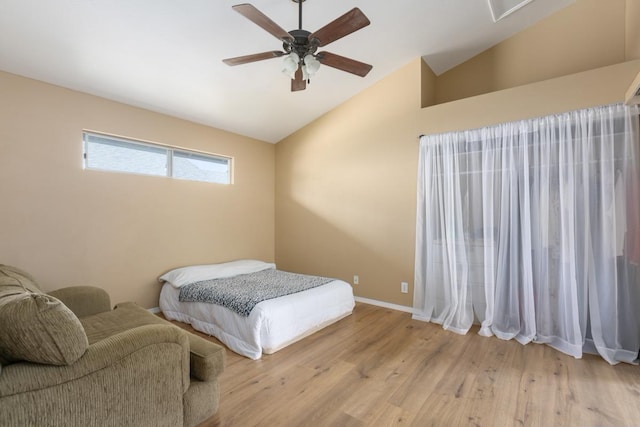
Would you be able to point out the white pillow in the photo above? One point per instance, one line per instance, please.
(196, 273)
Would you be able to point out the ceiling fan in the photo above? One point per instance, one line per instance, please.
(300, 46)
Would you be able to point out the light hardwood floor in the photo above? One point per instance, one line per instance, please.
(379, 367)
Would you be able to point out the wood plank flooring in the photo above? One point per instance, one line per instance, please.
(379, 367)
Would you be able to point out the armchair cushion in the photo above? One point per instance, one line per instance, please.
(38, 328)
(206, 359)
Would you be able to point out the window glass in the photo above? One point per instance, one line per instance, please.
(200, 167)
(124, 156)
(109, 153)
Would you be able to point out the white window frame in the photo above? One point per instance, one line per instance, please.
(169, 152)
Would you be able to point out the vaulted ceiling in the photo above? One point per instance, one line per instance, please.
(166, 55)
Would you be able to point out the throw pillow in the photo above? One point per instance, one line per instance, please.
(39, 328)
(14, 276)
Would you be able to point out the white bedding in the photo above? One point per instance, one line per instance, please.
(272, 324)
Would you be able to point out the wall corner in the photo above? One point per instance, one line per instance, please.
(427, 85)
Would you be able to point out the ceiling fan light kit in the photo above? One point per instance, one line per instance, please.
(290, 64)
(310, 66)
(302, 61)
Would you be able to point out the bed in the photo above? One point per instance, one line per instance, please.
(271, 325)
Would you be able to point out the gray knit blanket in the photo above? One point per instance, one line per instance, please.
(243, 292)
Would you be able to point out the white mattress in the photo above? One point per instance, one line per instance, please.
(272, 324)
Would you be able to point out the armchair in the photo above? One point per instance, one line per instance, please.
(67, 359)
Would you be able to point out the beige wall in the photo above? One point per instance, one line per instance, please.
(632, 33)
(71, 226)
(586, 35)
(343, 186)
(582, 90)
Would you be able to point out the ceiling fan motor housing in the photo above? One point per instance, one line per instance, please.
(301, 44)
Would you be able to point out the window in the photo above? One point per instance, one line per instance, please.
(104, 152)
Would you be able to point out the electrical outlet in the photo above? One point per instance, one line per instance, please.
(404, 287)
(356, 279)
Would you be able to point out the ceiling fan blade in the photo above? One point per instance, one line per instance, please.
(239, 60)
(298, 83)
(254, 15)
(340, 27)
(345, 64)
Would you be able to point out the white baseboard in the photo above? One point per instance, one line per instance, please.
(154, 310)
(386, 305)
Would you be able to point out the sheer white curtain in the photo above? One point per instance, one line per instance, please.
(532, 230)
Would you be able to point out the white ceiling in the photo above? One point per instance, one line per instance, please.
(166, 55)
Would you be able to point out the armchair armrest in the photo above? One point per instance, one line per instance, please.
(83, 300)
(206, 358)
